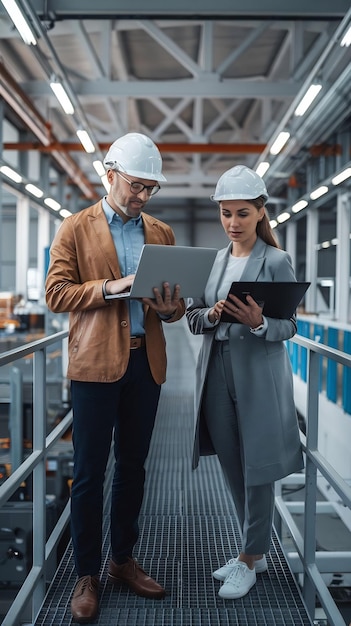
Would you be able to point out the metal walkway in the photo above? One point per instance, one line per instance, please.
(187, 529)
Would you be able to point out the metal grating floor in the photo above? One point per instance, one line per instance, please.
(187, 529)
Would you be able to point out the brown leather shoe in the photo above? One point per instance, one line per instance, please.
(132, 575)
(84, 603)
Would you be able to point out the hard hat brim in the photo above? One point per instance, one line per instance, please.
(239, 196)
(160, 178)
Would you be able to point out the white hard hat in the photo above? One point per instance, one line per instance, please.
(239, 183)
(137, 155)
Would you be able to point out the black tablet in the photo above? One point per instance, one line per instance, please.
(279, 299)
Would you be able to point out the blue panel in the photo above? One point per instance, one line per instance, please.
(47, 259)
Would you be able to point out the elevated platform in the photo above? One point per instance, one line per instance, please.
(187, 529)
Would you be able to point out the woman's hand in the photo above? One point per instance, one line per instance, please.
(249, 313)
(215, 313)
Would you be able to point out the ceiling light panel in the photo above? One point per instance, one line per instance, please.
(62, 97)
(20, 22)
(85, 140)
(307, 100)
(279, 143)
(339, 178)
(10, 173)
(317, 193)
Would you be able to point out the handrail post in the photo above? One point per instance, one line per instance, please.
(16, 418)
(39, 475)
(309, 592)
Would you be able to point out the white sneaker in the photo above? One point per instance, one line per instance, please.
(261, 565)
(238, 583)
(223, 572)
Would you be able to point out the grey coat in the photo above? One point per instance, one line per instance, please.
(262, 374)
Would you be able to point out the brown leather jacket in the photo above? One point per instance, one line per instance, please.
(82, 257)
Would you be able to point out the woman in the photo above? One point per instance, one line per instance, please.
(244, 387)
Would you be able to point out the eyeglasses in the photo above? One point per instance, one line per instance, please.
(139, 187)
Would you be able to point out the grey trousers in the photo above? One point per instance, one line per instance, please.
(253, 505)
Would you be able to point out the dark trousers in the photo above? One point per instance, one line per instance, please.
(124, 410)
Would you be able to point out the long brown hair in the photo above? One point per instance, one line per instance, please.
(263, 228)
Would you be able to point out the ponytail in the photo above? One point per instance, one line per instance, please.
(263, 228)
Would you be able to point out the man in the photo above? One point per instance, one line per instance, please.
(117, 362)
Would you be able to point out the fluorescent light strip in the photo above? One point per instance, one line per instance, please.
(20, 22)
(317, 193)
(298, 206)
(346, 40)
(65, 213)
(10, 173)
(283, 217)
(279, 143)
(339, 178)
(262, 168)
(99, 168)
(307, 100)
(35, 191)
(85, 141)
(52, 204)
(62, 97)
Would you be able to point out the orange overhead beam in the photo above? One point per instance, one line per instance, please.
(211, 148)
(186, 148)
(324, 149)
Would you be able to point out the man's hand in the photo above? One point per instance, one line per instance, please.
(165, 304)
(119, 284)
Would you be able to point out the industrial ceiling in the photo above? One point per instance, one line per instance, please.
(213, 83)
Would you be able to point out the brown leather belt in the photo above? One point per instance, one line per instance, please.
(137, 341)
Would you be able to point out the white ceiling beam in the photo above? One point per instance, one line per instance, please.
(296, 8)
(85, 43)
(119, 59)
(198, 113)
(206, 86)
(225, 115)
(120, 64)
(166, 110)
(237, 52)
(205, 57)
(170, 46)
(312, 56)
(170, 117)
(105, 45)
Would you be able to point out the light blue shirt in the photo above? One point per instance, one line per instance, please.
(128, 238)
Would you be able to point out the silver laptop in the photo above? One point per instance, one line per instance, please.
(184, 265)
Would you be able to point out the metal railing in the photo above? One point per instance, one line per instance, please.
(32, 591)
(336, 387)
(313, 563)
